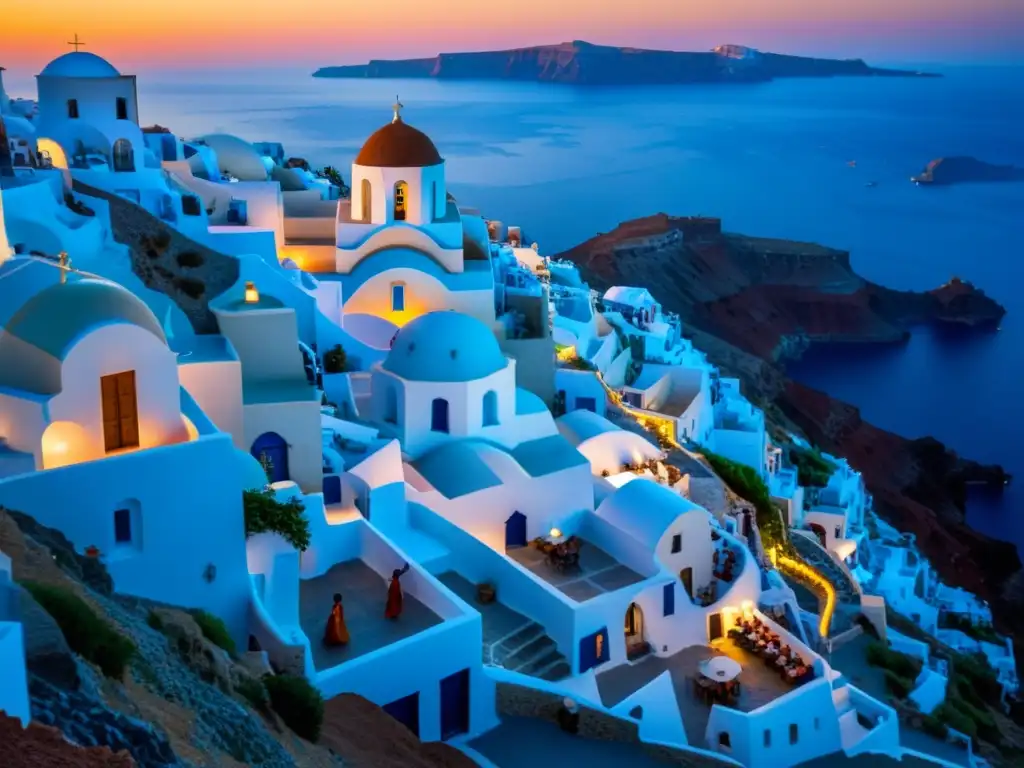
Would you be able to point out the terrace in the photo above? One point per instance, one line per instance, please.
(759, 685)
(597, 572)
(364, 593)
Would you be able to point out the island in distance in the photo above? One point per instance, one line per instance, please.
(963, 170)
(582, 63)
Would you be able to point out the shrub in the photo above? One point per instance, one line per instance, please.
(264, 513)
(334, 359)
(880, 655)
(87, 634)
(900, 687)
(154, 621)
(746, 483)
(813, 469)
(956, 719)
(298, 703)
(932, 725)
(253, 691)
(214, 630)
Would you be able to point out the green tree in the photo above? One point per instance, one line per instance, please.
(264, 513)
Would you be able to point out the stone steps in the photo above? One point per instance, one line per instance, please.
(529, 651)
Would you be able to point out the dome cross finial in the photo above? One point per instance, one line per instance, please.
(398, 106)
(76, 43)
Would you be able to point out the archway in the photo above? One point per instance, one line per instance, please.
(271, 450)
(123, 156)
(819, 531)
(686, 576)
(52, 151)
(490, 404)
(365, 200)
(634, 629)
(391, 404)
(515, 531)
(401, 200)
(439, 415)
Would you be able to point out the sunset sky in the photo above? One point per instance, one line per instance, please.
(142, 34)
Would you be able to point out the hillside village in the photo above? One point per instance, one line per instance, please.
(272, 445)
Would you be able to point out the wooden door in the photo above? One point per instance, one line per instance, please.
(120, 411)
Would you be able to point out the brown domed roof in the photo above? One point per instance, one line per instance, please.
(398, 145)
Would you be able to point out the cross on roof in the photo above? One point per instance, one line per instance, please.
(398, 106)
(76, 43)
(64, 265)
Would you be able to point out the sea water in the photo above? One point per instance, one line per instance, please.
(788, 159)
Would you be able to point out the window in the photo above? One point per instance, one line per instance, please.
(366, 200)
(190, 205)
(433, 201)
(439, 415)
(669, 599)
(724, 740)
(120, 411)
(677, 543)
(122, 108)
(398, 297)
(401, 192)
(817, 724)
(767, 737)
(73, 109)
(490, 409)
(839, 531)
(793, 733)
(122, 526)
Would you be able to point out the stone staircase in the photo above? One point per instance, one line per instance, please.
(847, 593)
(529, 651)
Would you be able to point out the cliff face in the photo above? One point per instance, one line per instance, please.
(751, 303)
(963, 170)
(583, 63)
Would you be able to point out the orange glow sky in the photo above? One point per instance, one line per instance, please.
(144, 34)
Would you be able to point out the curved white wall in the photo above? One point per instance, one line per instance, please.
(426, 199)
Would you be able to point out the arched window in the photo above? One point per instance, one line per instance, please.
(401, 200)
(439, 415)
(123, 158)
(366, 200)
(490, 409)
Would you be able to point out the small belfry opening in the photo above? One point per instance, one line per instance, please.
(401, 198)
(64, 443)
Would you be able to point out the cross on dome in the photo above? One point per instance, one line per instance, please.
(64, 265)
(76, 43)
(398, 106)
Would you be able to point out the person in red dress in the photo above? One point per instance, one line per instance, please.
(336, 633)
(393, 607)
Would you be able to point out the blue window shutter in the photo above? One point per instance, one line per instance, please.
(670, 599)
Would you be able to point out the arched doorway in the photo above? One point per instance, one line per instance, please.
(515, 531)
(636, 646)
(686, 576)
(401, 200)
(439, 415)
(124, 159)
(50, 149)
(490, 409)
(365, 200)
(271, 450)
(819, 531)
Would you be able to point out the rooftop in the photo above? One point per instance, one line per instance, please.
(364, 593)
(598, 572)
(547, 455)
(456, 469)
(278, 391)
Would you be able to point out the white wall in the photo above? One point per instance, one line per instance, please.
(216, 386)
(426, 199)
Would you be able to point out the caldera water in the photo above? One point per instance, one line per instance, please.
(772, 159)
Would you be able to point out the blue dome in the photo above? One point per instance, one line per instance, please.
(80, 64)
(445, 346)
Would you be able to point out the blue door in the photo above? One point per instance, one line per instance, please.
(586, 404)
(670, 599)
(594, 650)
(407, 712)
(455, 705)
(271, 450)
(332, 489)
(515, 531)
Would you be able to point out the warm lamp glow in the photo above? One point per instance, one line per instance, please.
(63, 443)
(555, 533)
(252, 296)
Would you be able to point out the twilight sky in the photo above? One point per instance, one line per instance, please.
(143, 34)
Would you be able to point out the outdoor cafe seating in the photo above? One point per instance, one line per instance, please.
(758, 638)
(717, 681)
(560, 555)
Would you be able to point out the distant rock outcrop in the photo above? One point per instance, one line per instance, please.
(582, 63)
(963, 170)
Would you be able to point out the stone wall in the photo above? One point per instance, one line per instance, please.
(519, 701)
(189, 273)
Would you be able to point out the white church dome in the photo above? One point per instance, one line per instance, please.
(236, 156)
(79, 64)
(445, 346)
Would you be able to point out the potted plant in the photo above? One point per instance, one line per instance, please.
(485, 593)
(334, 359)
(92, 551)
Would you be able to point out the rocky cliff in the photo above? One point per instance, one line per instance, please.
(752, 303)
(963, 170)
(583, 63)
